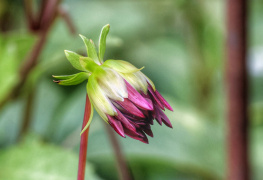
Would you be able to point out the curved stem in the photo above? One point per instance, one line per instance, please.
(84, 141)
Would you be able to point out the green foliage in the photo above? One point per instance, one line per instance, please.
(13, 49)
(33, 159)
(180, 43)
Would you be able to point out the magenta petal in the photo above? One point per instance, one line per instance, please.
(134, 135)
(157, 115)
(147, 130)
(132, 117)
(165, 119)
(128, 106)
(126, 123)
(135, 97)
(150, 120)
(116, 125)
(165, 103)
(156, 99)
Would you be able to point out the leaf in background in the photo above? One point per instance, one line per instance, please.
(33, 159)
(13, 49)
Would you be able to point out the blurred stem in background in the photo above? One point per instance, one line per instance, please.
(236, 75)
(40, 25)
(123, 170)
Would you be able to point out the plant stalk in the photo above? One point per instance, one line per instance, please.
(237, 87)
(84, 141)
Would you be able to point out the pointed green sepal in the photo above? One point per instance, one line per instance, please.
(74, 59)
(121, 66)
(72, 79)
(90, 119)
(63, 77)
(99, 99)
(102, 41)
(91, 49)
(88, 64)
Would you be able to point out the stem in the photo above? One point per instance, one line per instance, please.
(28, 112)
(236, 73)
(84, 141)
(29, 14)
(123, 171)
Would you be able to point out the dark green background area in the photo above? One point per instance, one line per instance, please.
(181, 43)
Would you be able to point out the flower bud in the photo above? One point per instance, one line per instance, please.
(121, 94)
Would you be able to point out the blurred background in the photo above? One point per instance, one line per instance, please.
(181, 43)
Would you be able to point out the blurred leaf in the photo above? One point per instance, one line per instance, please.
(10, 118)
(33, 159)
(256, 153)
(13, 49)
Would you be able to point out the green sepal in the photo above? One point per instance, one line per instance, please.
(121, 66)
(63, 77)
(72, 79)
(91, 49)
(102, 41)
(90, 119)
(88, 64)
(73, 58)
(100, 101)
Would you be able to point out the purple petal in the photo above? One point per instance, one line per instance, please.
(142, 137)
(145, 112)
(165, 119)
(116, 125)
(126, 123)
(155, 98)
(141, 123)
(132, 117)
(147, 130)
(164, 102)
(135, 97)
(150, 120)
(130, 108)
(156, 114)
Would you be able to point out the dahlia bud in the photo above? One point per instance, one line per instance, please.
(121, 94)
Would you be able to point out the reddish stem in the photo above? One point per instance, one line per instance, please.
(122, 167)
(84, 142)
(237, 87)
